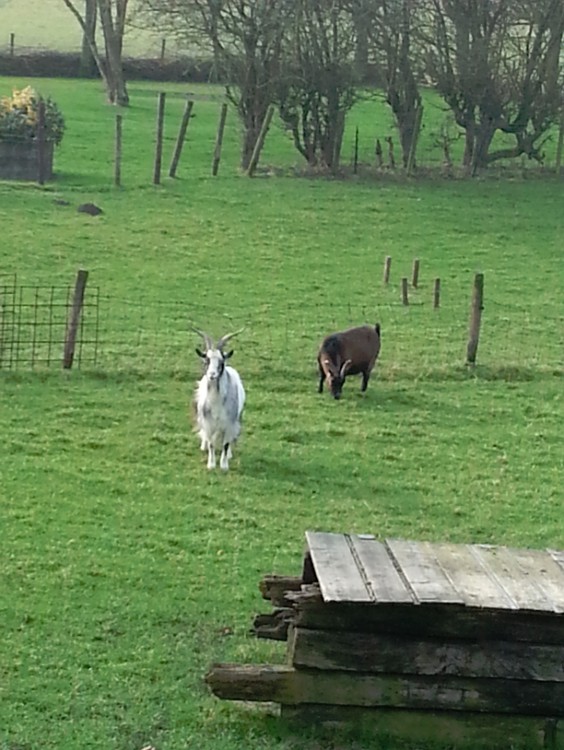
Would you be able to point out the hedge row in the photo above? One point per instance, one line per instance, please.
(67, 65)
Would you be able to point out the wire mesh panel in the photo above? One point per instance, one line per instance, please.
(34, 322)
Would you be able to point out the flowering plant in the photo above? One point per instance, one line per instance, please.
(19, 117)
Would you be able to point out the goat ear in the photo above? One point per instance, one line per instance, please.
(200, 353)
(229, 354)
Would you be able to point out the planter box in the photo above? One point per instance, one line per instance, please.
(19, 160)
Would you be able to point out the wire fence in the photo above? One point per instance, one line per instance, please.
(114, 334)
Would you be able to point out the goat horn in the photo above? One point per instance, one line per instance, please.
(224, 339)
(208, 341)
(345, 367)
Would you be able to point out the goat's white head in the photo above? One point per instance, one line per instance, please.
(213, 356)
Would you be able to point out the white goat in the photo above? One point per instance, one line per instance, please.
(220, 398)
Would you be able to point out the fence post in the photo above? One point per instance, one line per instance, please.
(219, 139)
(387, 268)
(181, 137)
(41, 142)
(560, 142)
(74, 319)
(12, 43)
(475, 319)
(415, 273)
(163, 48)
(117, 164)
(436, 294)
(159, 144)
(404, 294)
(260, 141)
(355, 157)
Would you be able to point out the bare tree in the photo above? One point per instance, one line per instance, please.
(245, 39)
(390, 28)
(88, 65)
(112, 14)
(318, 87)
(496, 63)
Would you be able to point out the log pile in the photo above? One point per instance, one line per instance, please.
(411, 626)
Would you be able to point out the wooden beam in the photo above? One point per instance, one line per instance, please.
(388, 654)
(286, 685)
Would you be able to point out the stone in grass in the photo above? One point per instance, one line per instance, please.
(89, 208)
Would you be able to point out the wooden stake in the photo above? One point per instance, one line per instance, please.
(379, 154)
(475, 318)
(12, 43)
(415, 273)
(163, 48)
(355, 158)
(404, 293)
(74, 319)
(560, 143)
(387, 268)
(391, 152)
(117, 162)
(159, 144)
(181, 136)
(219, 139)
(437, 294)
(41, 142)
(260, 142)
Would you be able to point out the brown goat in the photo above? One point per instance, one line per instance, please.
(348, 353)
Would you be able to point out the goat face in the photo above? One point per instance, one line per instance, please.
(335, 377)
(214, 363)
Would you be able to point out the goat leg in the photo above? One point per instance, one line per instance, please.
(211, 456)
(224, 460)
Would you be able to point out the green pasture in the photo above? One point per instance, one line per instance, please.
(48, 25)
(127, 567)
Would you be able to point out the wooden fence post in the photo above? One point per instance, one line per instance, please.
(475, 319)
(560, 143)
(74, 319)
(181, 137)
(159, 144)
(41, 142)
(219, 139)
(404, 293)
(355, 157)
(260, 141)
(415, 273)
(163, 48)
(117, 162)
(436, 294)
(387, 268)
(12, 43)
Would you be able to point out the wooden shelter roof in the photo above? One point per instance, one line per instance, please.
(364, 570)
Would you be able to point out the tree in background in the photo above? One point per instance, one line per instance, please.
(243, 36)
(112, 15)
(496, 63)
(319, 81)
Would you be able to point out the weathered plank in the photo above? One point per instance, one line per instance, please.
(337, 570)
(546, 572)
(273, 625)
(421, 569)
(465, 731)
(274, 588)
(471, 579)
(379, 571)
(286, 685)
(429, 620)
(379, 653)
(504, 566)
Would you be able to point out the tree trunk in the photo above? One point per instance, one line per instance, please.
(117, 90)
(88, 66)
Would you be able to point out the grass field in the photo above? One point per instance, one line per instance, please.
(127, 567)
(48, 25)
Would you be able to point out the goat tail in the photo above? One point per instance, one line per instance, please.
(377, 328)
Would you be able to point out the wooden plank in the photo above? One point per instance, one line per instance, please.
(503, 565)
(470, 578)
(379, 570)
(546, 572)
(286, 685)
(388, 654)
(421, 569)
(428, 621)
(336, 569)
